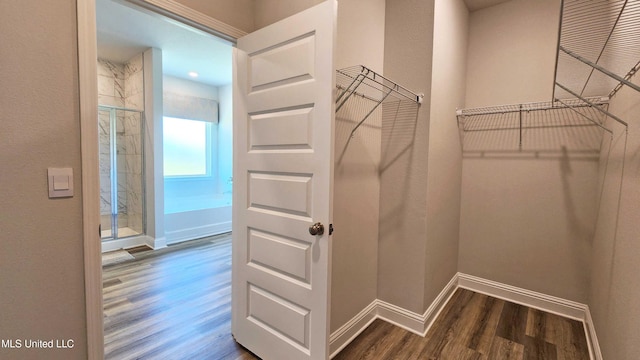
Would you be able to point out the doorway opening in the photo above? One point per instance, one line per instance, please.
(180, 190)
(181, 178)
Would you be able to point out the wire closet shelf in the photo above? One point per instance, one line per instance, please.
(598, 49)
(363, 82)
(530, 121)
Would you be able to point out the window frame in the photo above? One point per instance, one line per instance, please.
(209, 173)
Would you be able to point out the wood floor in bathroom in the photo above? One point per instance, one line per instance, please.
(172, 303)
(175, 303)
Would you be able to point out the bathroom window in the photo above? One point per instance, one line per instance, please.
(187, 146)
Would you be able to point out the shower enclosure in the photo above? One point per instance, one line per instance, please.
(121, 172)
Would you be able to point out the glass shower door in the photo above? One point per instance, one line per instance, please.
(121, 172)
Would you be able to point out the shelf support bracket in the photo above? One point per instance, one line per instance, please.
(593, 105)
(370, 112)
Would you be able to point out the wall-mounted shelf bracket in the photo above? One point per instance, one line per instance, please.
(362, 81)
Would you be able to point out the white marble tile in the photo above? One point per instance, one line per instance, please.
(122, 202)
(110, 69)
(132, 123)
(123, 220)
(120, 129)
(134, 164)
(135, 183)
(121, 145)
(122, 167)
(118, 86)
(135, 101)
(110, 101)
(133, 145)
(134, 65)
(134, 84)
(103, 68)
(105, 204)
(106, 85)
(105, 163)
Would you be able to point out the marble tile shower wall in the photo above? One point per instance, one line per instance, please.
(121, 85)
(134, 99)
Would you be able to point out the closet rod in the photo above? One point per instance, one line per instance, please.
(601, 69)
(593, 105)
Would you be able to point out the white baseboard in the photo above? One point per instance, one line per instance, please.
(420, 323)
(340, 338)
(197, 232)
(592, 339)
(536, 300)
(416, 323)
(157, 243)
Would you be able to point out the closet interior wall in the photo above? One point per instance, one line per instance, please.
(527, 217)
(356, 198)
(615, 290)
(599, 53)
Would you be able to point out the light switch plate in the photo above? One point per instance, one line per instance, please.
(60, 182)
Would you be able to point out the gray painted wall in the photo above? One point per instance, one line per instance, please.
(527, 220)
(357, 160)
(41, 260)
(402, 244)
(450, 40)
(615, 290)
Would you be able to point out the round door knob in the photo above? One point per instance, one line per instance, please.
(316, 229)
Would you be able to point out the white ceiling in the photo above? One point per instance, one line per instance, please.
(474, 5)
(124, 32)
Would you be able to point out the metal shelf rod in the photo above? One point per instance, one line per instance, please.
(601, 69)
(593, 105)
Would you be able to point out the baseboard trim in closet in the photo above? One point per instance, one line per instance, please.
(342, 337)
(411, 321)
(536, 300)
(592, 339)
(420, 323)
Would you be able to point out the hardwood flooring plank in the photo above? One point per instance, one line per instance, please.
(512, 323)
(173, 303)
(410, 347)
(369, 341)
(486, 325)
(505, 349)
(475, 326)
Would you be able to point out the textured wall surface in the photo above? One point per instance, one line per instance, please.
(615, 290)
(527, 217)
(41, 260)
(404, 156)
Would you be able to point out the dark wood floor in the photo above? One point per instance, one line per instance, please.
(175, 303)
(473, 326)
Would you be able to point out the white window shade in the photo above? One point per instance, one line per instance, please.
(190, 107)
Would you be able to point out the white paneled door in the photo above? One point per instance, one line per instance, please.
(283, 173)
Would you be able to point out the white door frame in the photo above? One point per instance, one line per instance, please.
(88, 96)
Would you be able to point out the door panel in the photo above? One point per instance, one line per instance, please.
(283, 171)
